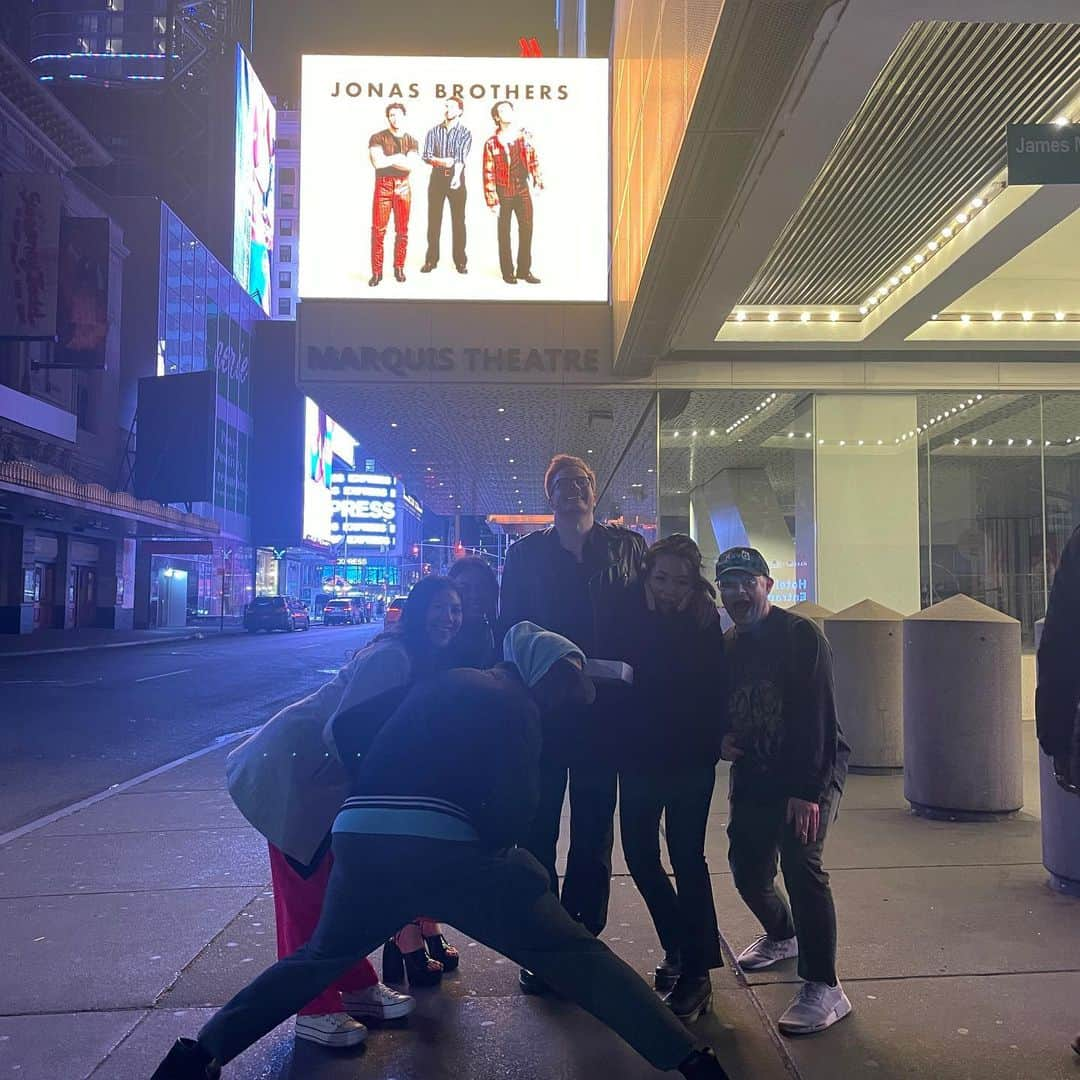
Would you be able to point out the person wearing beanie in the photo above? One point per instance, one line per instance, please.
(439, 833)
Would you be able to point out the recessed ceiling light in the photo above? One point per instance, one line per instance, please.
(1061, 121)
(712, 431)
(1026, 316)
(511, 461)
(506, 438)
(393, 424)
(589, 451)
(965, 318)
(412, 450)
(804, 317)
(740, 316)
(501, 409)
(947, 232)
(863, 310)
(773, 316)
(996, 316)
(1059, 315)
(834, 316)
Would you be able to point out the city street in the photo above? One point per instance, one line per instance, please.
(76, 723)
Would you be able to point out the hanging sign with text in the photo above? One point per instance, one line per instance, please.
(1044, 153)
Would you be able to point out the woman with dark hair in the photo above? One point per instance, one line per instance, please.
(287, 784)
(669, 747)
(479, 587)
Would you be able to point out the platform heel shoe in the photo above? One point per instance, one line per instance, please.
(440, 949)
(421, 969)
(668, 971)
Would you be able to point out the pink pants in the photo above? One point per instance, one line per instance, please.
(297, 905)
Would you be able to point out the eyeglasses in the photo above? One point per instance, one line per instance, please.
(575, 483)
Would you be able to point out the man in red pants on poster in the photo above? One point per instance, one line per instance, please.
(394, 154)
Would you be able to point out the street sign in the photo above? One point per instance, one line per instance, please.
(1043, 153)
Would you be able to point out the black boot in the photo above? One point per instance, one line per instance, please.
(531, 983)
(374, 280)
(667, 971)
(187, 1060)
(702, 1065)
(691, 997)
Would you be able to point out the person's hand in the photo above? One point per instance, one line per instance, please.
(494, 209)
(455, 183)
(806, 817)
(730, 749)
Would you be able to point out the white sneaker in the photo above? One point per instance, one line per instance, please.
(767, 951)
(378, 1002)
(331, 1029)
(816, 1006)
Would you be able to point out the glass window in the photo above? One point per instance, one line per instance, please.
(285, 279)
(736, 467)
(287, 201)
(981, 464)
(285, 253)
(285, 226)
(287, 176)
(284, 306)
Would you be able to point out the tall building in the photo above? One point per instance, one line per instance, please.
(69, 529)
(147, 77)
(288, 213)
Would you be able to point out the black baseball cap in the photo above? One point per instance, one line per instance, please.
(747, 560)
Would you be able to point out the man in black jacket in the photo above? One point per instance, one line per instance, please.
(1057, 696)
(432, 832)
(790, 763)
(570, 579)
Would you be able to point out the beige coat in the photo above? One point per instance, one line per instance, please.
(285, 779)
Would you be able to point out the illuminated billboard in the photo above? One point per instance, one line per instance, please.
(327, 447)
(253, 208)
(372, 510)
(438, 178)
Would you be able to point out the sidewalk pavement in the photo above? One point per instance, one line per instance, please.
(126, 922)
(42, 642)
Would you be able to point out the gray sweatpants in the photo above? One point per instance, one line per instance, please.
(502, 899)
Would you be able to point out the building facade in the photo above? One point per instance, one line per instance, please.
(69, 528)
(187, 313)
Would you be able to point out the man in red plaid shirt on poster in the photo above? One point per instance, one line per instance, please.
(510, 163)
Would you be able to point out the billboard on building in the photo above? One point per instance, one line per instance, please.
(29, 254)
(253, 211)
(327, 446)
(82, 319)
(469, 178)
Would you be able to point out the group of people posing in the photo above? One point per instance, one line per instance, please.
(426, 783)
(511, 170)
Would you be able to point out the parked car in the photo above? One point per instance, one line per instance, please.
(393, 611)
(345, 610)
(276, 613)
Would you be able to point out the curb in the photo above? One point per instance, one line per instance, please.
(14, 655)
(124, 785)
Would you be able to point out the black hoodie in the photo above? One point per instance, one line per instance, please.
(782, 710)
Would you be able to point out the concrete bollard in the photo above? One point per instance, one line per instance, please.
(963, 735)
(814, 612)
(1060, 822)
(867, 642)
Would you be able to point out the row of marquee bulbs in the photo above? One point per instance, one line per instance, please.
(945, 316)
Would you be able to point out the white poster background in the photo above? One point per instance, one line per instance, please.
(569, 127)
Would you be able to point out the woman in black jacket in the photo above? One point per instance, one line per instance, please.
(479, 587)
(669, 746)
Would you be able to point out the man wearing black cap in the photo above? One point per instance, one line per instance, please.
(790, 761)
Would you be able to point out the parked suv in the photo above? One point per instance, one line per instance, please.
(344, 610)
(276, 613)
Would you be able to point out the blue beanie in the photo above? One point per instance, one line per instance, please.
(535, 650)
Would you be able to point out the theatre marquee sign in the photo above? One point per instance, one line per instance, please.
(409, 343)
(1044, 153)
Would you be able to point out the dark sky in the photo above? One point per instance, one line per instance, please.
(285, 29)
